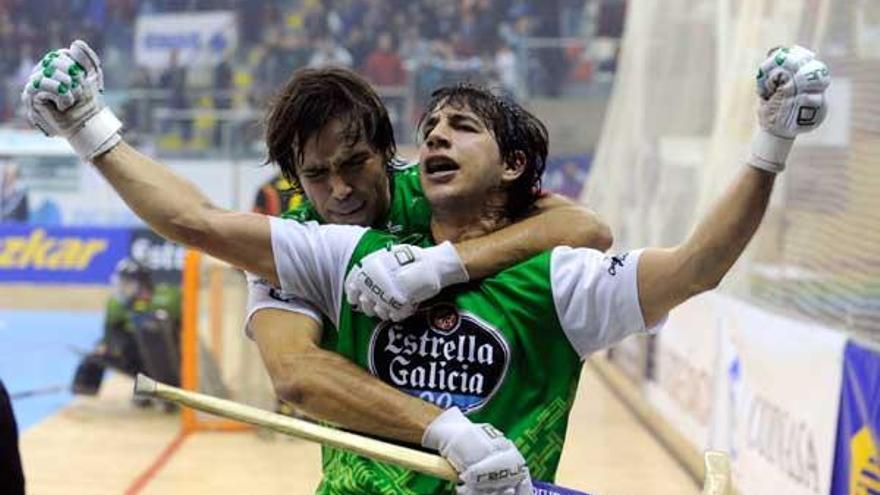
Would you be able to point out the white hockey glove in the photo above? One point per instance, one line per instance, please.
(791, 85)
(63, 98)
(391, 283)
(486, 461)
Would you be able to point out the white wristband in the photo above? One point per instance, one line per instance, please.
(99, 134)
(769, 151)
(449, 265)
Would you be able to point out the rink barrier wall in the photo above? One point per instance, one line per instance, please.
(793, 402)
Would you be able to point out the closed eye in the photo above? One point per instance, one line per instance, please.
(314, 174)
(355, 161)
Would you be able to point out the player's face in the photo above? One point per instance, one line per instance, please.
(459, 158)
(347, 183)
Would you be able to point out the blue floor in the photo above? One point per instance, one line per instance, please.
(36, 354)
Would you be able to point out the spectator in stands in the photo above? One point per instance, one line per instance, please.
(359, 45)
(223, 83)
(384, 66)
(26, 63)
(329, 53)
(279, 36)
(315, 21)
(223, 76)
(13, 197)
(507, 70)
(173, 79)
(414, 50)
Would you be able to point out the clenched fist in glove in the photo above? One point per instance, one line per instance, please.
(390, 283)
(63, 98)
(791, 86)
(487, 462)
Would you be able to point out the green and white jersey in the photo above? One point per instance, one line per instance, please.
(409, 213)
(506, 350)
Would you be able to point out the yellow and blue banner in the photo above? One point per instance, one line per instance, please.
(43, 254)
(856, 461)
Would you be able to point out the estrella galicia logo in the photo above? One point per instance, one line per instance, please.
(442, 355)
(616, 261)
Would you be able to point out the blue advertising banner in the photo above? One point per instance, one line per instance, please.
(163, 257)
(856, 460)
(42, 254)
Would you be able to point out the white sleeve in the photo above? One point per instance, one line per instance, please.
(263, 295)
(311, 260)
(597, 297)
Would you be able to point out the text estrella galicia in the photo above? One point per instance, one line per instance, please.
(442, 355)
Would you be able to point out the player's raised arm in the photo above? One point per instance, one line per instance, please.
(791, 87)
(63, 97)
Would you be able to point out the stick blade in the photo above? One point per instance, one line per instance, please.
(717, 479)
(144, 385)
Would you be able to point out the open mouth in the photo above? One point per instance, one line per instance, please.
(440, 165)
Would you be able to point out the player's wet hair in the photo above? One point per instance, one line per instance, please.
(515, 130)
(313, 98)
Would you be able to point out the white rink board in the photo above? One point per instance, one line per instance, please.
(761, 386)
(783, 398)
(685, 360)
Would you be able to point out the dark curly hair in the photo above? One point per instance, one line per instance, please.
(313, 98)
(516, 130)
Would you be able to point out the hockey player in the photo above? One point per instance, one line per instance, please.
(332, 136)
(506, 349)
(141, 331)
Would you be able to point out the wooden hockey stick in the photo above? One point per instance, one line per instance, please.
(415, 460)
(717, 480)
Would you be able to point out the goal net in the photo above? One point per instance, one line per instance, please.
(678, 129)
(216, 356)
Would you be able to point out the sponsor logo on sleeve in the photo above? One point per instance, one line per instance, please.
(278, 295)
(615, 262)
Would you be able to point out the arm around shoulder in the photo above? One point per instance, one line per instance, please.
(558, 221)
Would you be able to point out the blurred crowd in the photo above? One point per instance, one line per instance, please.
(419, 44)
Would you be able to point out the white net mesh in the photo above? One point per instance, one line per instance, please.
(680, 122)
(228, 363)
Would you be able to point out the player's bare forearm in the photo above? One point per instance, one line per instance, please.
(328, 387)
(179, 211)
(668, 277)
(558, 222)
